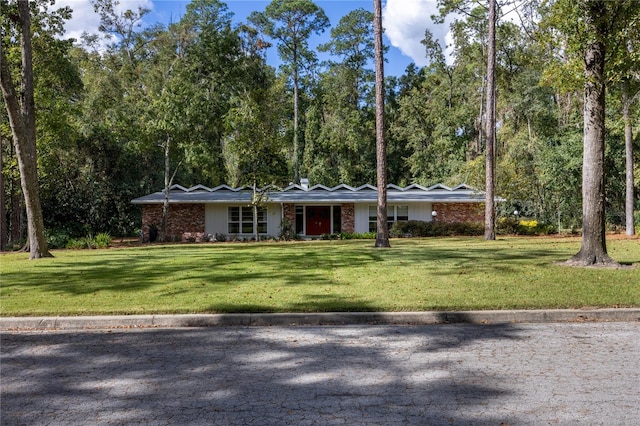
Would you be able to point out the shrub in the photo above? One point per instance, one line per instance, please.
(513, 226)
(102, 240)
(508, 226)
(357, 235)
(330, 237)
(81, 243)
(418, 228)
(287, 232)
(57, 239)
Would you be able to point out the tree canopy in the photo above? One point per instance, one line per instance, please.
(199, 93)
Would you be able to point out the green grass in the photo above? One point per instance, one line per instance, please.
(320, 276)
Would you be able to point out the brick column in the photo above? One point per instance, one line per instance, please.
(347, 221)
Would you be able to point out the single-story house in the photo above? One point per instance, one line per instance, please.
(199, 211)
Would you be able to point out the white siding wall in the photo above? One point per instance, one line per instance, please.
(361, 218)
(216, 219)
(274, 217)
(420, 211)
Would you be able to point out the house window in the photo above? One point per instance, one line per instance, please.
(262, 220)
(402, 213)
(373, 218)
(299, 220)
(394, 214)
(234, 220)
(240, 220)
(337, 219)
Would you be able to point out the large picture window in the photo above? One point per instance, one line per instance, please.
(240, 220)
(394, 214)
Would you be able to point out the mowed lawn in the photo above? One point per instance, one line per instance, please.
(318, 276)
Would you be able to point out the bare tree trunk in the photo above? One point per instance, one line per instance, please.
(296, 120)
(490, 147)
(168, 181)
(593, 250)
(167, 190)
(628, 144)
(382, 235)
(254, 201)
(3, 211)
(23, 126)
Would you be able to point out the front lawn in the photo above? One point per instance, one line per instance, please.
(319, 276)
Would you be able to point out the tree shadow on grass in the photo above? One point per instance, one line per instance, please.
(267, 376)
(319, 272)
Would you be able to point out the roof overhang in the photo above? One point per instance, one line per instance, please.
(318, 194)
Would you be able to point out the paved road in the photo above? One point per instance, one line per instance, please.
(572, 373)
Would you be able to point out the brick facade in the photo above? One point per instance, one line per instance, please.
(459, 212)
(347, 219)
(185, 221)
(289, 212)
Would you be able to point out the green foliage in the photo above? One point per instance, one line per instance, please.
(417, 228)
(57, 239)
(287, 231)
(515, 226)
(357, 235)
(202, 85)
(103, 240)
(100, 241)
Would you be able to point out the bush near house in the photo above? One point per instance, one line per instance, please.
(417, 228)
(514, 226)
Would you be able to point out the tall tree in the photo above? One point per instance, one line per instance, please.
(291, 23)
(382, 235)
(339, 122)
(22, 119)
(602, 21)
(627, 102)
(594, 249)
(490, 148)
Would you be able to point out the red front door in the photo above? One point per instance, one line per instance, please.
(318, 220)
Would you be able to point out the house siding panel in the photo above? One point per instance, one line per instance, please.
(420, 211)
(361, 222)
(216, 219)
(274, 218)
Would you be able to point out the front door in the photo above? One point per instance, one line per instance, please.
(318, 220)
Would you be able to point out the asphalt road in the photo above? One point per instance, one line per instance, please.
(567, 373)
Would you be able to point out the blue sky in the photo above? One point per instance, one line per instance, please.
(404, 20)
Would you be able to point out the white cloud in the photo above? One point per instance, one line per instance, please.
(405, 22)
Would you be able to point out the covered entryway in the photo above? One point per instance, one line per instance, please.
(318, 220)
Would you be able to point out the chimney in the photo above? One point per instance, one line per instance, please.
(304, 183)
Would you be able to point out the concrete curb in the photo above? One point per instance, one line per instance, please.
(315, 319)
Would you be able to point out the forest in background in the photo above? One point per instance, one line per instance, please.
(195, 102)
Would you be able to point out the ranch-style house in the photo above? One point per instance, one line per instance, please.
(199, 212)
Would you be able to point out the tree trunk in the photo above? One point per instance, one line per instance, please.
(593, 250)
(167, 190)
(23, 126)
(382, 235)
(296, 119)
(168, 181)
(628, 144)
(490, 146)
(3, 212)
